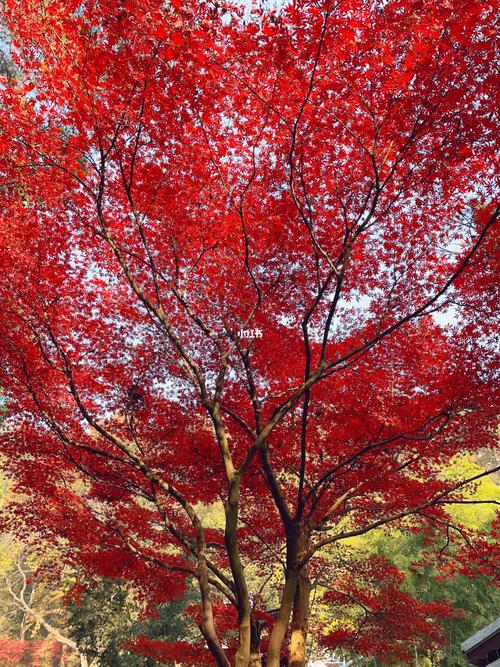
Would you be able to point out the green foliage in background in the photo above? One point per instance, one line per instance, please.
(478, 598)
(106, 618)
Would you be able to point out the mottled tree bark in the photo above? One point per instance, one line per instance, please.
(281, 625)
(300, 620)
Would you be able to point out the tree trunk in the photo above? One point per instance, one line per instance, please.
(242, 658)
(255, 659)
(22, 629)
(83, 661)
(300, 619)
(243, 653)
(207, 628)
(281, 625)
(207, 625)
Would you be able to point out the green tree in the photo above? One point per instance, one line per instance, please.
(106, 618)
(477, 598)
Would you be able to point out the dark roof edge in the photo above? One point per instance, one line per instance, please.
(481, 636)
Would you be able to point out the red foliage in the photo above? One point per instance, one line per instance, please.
(162, 651)
(390, 621)
(18, 653)
(175, 175)
(12, 651)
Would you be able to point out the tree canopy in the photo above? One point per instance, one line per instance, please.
(248, 261)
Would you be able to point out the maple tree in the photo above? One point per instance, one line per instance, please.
(248, 256)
